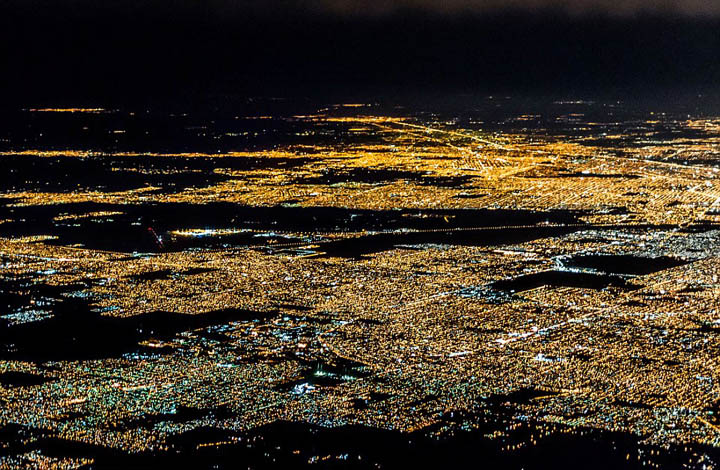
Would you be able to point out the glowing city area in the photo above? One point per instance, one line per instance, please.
(360, 285)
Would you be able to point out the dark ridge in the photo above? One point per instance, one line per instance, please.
(632, 404)
(297, 445)
(380, 176)
(168, 274)
(702, 227)
(561, 279)
(623, 264)
(20, 292)
(365, 245)
(129, 232)
(76, 332)
(16, 439)
(23, 379)
(469, 196)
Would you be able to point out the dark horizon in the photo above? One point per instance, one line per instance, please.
(117, 53)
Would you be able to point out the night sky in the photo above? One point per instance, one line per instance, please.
(123, 49)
